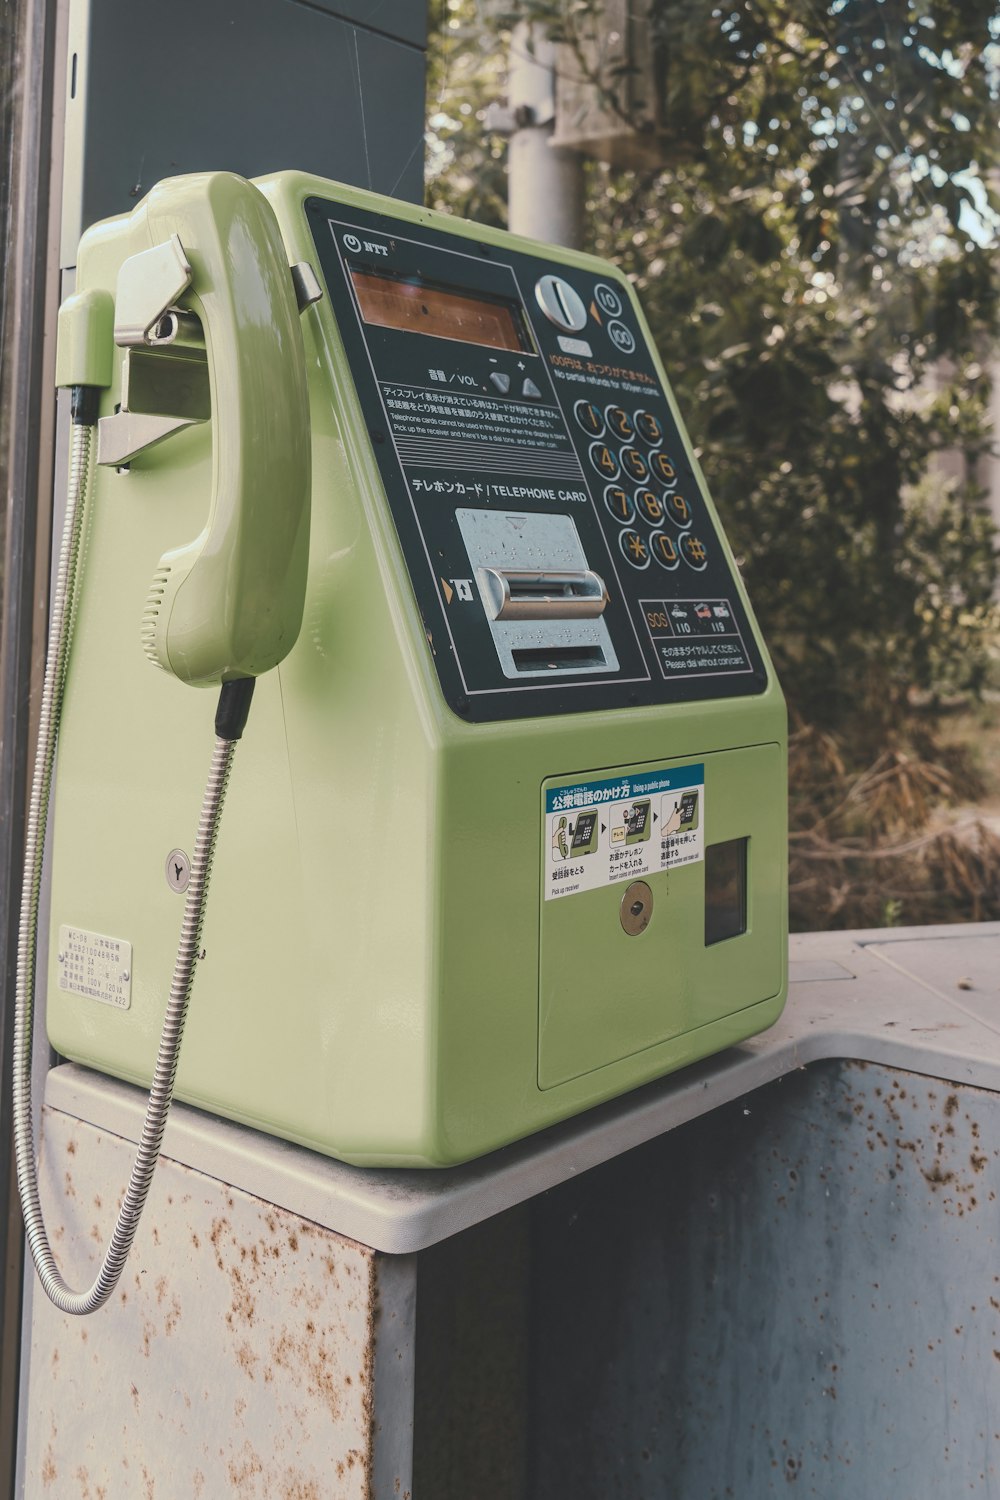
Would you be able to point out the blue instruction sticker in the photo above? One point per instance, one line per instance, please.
(622, 828)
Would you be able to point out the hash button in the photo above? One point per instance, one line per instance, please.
(693, 551)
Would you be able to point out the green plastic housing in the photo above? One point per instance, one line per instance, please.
(382, 980)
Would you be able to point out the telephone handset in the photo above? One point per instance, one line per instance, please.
(205, 252)
(228, 603)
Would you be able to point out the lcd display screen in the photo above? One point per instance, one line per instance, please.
(418, 307)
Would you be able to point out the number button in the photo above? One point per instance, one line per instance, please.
(648, 428)
(620, 423)
(604, 460)
(619, 503)
(693, 552)
(663, 549)
(650, 506)
(663, 469)
(634, 464)
(678, 510)
(589, 417)
(633, 549)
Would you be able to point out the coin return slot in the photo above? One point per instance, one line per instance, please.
(544, 594)
(558, 658)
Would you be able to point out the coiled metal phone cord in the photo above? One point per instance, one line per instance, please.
(161, 1091)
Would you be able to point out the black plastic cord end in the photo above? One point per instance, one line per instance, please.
(234, 706)
(84, 405)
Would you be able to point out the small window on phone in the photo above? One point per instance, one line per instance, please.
(725, 890)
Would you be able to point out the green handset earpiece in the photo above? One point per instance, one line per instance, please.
(228, 604)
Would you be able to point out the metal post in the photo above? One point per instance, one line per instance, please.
(545, 182)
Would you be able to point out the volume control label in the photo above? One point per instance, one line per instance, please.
(606, 832)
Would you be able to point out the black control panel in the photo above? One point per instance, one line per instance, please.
(560, 550)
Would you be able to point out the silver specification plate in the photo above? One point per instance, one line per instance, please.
(95, 965)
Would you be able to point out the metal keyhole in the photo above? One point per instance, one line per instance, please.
(636, 908)
(177, 868)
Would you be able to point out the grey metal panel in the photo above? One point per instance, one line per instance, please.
(394, 1355)
(203, 84)
(881, 1015)
(237, 1357)
(404, 19)
(796, 1296)
(967, 976)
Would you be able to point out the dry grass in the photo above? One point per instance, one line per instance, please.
(905, 840)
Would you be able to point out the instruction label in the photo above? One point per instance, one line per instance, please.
(609, 831)
(95, 965)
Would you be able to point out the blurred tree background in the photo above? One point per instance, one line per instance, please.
(815, 249)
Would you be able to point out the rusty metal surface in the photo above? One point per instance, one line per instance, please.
(238, 1357)
(798, 1296)
(846, 1000)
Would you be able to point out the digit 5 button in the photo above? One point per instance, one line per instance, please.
(693, 551)
(634, 464)
(604, 460)
(663, 468)
(633, 549)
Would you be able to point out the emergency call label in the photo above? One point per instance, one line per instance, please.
(95, 965)
(607, 831)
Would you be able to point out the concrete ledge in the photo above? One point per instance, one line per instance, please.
(922, 999)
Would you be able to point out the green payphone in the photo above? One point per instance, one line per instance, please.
(507, 834)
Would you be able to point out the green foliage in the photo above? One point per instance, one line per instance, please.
(816, 258)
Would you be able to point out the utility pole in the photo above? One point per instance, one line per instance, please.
(545, 182)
